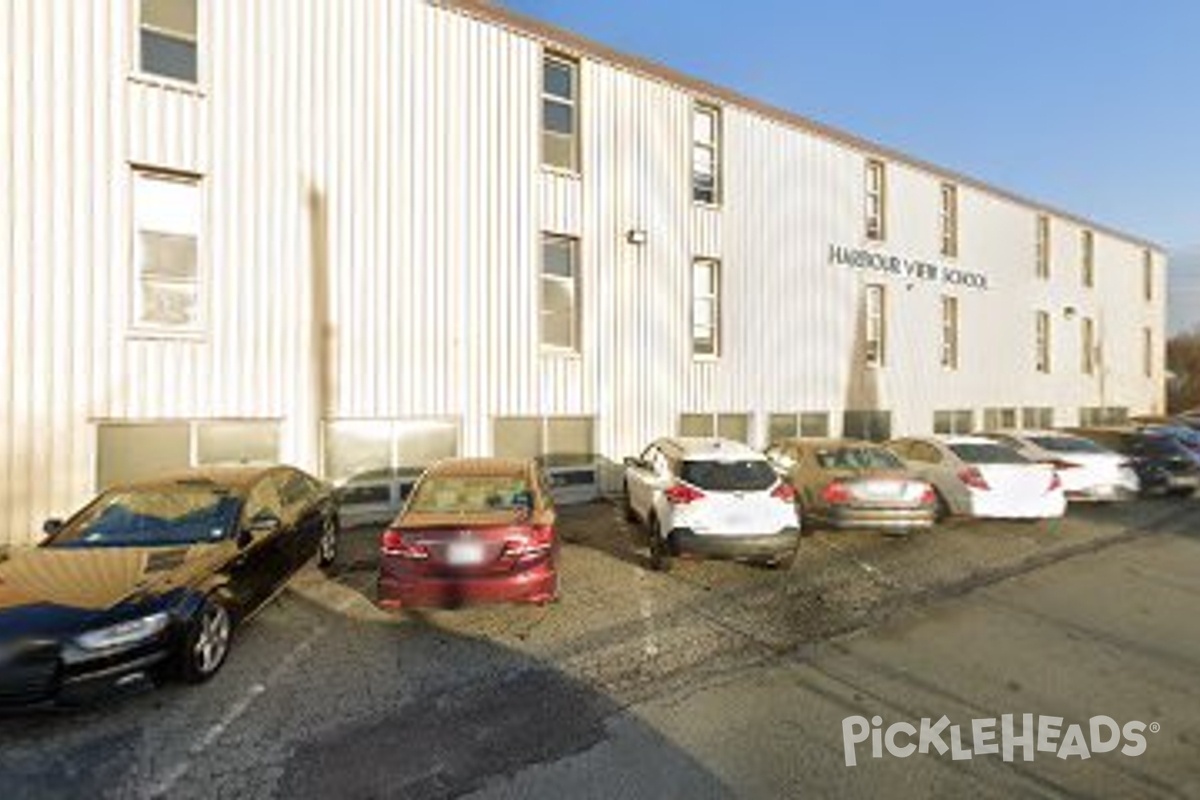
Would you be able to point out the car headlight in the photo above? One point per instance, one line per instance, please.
(124, 633)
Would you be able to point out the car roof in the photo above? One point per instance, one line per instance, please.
(232, 478)
(828, 441)
(465, 467)
(957, 439)
(711, 447)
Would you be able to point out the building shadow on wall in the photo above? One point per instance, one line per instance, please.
(320, 345)
(863, 417)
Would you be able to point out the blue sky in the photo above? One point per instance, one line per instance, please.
(1089, 105)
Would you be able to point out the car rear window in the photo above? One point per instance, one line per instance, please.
(470, 494)
(751, 475)
(987, 454)
(1066, 444)
(858, 458)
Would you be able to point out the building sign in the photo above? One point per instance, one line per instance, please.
(910, 269)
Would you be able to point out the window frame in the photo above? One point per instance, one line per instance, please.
(138, 71)
(875, 357)
(714, 149)
(197, 329)
(1043, 338)
(950, 332)
(949, 220)
(572, 103)
(576, 288)
(1087, 255)
(1042, 246)
(875, 200)
(714, 299)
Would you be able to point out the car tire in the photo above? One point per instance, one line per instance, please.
(660, 549)
(327, 545)
(207, 642)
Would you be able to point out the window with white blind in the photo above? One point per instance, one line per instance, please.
(950, 332)
(706, 154)
(706, 307)
(875, 325)
(166, 253)
(876, 199)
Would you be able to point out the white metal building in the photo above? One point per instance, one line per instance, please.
(372, 232)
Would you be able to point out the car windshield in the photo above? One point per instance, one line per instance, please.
(1066, 444)
(158, 517)
(445, 494)
(858, 459)
(987, 454)
(751, 475)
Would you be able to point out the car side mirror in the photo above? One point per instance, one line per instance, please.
(263, 524)
(52, 526)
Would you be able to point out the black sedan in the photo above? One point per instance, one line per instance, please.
(1162, 464)
(150, 579)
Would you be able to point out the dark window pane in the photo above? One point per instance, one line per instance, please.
(558, 79)
(558, 118)
(169, 57)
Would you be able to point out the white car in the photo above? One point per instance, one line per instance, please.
(1088, 471)
(711, 497)
(977, 477)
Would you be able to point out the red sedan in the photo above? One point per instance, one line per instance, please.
(474, 530)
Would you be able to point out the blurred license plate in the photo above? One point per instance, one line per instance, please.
(463, 554)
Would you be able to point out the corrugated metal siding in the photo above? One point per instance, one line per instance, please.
(388, 153)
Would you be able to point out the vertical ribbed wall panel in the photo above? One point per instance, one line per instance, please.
(393, 147)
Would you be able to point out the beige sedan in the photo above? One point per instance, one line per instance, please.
(844, 483)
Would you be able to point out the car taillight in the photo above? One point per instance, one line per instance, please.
(531, 541)
(680, 494)
(929, 496)
(974, 478)
(784, 492)
(836, 493)
(1055, 483)
(401, 545)
(1058, 463)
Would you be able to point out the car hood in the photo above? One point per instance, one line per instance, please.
(47, 591)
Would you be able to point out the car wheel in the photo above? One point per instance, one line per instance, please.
(941, 511)
(630, 515)
(207, 642)
(660, 555)
(785, 562)
(327, 547)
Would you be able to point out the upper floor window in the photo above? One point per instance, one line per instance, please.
(1147, 352)
(166, 252)
(1087, 246)
(560, 292)
(167, 39)
(1042, 341)
(1148, 274)
(875, 325)
(876, 209)
(950, 332)
(706, 154)
(1043, 246)
(560, 113)
(1088, 346)
(949, 218)
(706, 307)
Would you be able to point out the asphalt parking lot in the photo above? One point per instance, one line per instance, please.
(326, 696)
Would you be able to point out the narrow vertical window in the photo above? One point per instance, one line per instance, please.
(706, 307)
(167, 39)
(875, 326)
(1042, 339)
(706, 154)
(876, 208)
(1088, 345)
(560, 113)
(560, 293)
(950, 332)
(1087, 247)
(949, 220)
(166, 252)
(1147, 352)
(1043, 246)
(1148, 275)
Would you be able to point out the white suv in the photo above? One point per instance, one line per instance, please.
(713, 497)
